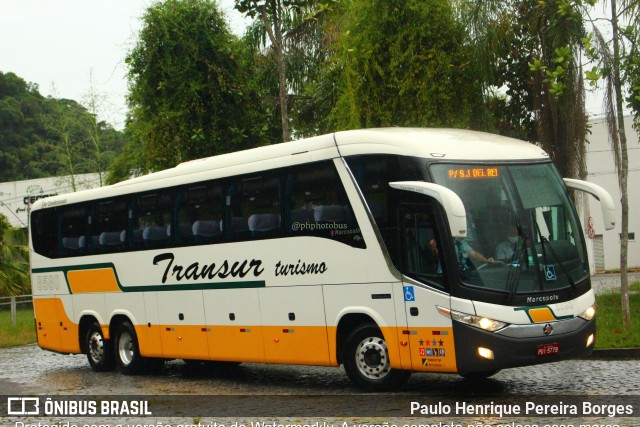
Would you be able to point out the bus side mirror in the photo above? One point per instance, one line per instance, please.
(450, 201)
(602, 195)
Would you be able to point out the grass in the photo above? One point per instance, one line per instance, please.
(610, 333)
(22, 333)
(609, 323)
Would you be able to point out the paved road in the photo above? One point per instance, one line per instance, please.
(29, 370)
(608, 282)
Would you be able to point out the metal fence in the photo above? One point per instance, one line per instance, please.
(23, 302)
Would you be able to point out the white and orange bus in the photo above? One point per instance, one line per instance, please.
(388, 251)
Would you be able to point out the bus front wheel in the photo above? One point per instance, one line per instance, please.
(99, 351)
(127, 352)
(366, 361)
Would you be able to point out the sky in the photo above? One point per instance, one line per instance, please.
(68, 46)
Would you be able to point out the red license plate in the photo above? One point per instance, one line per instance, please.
(548, 349)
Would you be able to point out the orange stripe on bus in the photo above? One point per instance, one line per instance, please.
(99, 280)
(543, 314)
(55, 330)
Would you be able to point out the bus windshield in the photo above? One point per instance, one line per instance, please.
(523, 235)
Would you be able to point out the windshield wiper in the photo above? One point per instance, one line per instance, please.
(545, 242)
(542, 277)
(513, 277)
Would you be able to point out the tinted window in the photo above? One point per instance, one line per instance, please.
(151, 220)
(44, 232)
(200, 214)
(255, 211)
(73, 230)
(305, 200)
(109, 225)
(317, 205)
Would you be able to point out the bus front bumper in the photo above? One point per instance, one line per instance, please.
(478, 351)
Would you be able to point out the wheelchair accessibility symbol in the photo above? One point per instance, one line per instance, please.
(550, 272)
(409, 293)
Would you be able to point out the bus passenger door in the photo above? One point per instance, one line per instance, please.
(430, 334)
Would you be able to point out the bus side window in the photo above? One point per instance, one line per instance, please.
(151, 220)
(45, 237)
(255, 208)
(110, 223)
(317, 205)
(200, 214)
(73, 230)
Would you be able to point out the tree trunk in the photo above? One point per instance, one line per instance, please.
(622, 171)
(275, 35)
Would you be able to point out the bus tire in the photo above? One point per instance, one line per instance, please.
(366, 361)
(99, 351)
(127, 352)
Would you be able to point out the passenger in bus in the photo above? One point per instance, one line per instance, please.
(464, 255)
(506, 248)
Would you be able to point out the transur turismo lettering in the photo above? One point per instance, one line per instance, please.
(300, 269)
(195, 271)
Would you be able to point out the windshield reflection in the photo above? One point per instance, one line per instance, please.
(523, 234)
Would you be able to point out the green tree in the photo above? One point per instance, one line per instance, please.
(189, 96)
(289, 40)
(65, 125)
(104, 142)
(14, 267)
(277, 18)
(618, 64)
(404, 63)
(532, 50)
(21, 130)
(42, 137)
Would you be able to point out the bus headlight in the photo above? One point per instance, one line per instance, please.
(483, 323)
(589, 313)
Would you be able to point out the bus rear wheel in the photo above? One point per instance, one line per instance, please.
(127, 352)
(366, 361)
(99, 350)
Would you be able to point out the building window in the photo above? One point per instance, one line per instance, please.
(632, 236)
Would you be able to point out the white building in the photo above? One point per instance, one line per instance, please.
(604, 246)
(16, 196)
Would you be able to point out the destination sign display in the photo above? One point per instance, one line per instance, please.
(474, 173)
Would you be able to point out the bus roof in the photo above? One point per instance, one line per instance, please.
(436, 144)
(447, 144)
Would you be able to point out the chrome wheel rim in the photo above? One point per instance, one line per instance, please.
(372, 358)
(125, 348)
(96, 347)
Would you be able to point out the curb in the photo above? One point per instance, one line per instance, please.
(616, 353)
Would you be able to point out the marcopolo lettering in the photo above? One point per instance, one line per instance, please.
(195, 271)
